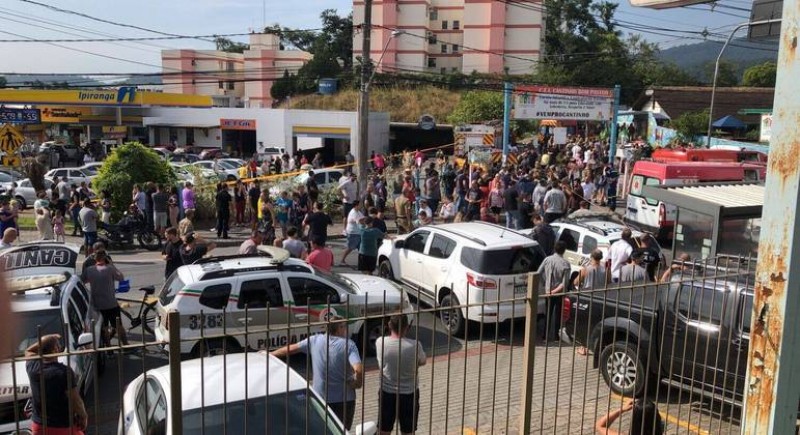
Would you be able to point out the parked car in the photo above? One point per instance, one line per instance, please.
(693, 331)
(91, 169)
(163, 152)
(268, 152)
(464, 263)
(325, 178)
(71, 151)
(273, 397)
(212, 153)
(239, 163)
(184, 158)
(208, 289)
(73, 175)
(24, 193)
(46, 295)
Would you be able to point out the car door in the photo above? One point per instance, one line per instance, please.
(571, 238)
(312, 300)
(694, 332)
(76, 175)
(739, 344)
(411, 258)
(260, 308)
(78, 314)
(151, 407)
(437, 263)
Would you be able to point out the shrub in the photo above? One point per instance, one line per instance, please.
(129, 164)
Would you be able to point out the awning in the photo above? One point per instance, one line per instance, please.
(730, 122)
(183, 125)
(323, 132)
(729, 199)
(548, 123)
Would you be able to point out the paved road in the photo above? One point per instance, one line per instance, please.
(468, 386)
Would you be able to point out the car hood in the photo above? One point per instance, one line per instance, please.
(374, 287)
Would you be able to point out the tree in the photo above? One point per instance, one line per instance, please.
(478, 106)
(283, 87)
(726, 76)
(129, 164)
(760, 76)
(229, 46)
(691, 124)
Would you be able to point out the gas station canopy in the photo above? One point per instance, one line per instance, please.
(126, 96)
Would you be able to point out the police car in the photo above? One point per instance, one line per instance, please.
(261, 395)
(244, 296)
(46, 295)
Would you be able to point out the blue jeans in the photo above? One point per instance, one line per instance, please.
(459, 205)
(512, 219)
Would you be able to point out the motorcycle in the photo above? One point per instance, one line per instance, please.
(132, 225)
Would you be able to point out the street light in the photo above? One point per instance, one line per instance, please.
(716, 70)
(363, 106)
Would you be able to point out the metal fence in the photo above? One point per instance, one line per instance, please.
(680, 347)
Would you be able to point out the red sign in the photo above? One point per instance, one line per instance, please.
(560, 90)
(237, 124)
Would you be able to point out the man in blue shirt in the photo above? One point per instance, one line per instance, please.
(336, 366)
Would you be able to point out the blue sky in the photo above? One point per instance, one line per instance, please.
(196, 17)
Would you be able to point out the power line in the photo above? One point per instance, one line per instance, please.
(122, 39)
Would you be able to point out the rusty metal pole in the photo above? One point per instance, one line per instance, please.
(175, 388)
(772, 388)
(529, 352)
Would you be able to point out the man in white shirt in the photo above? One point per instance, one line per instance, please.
(588, 190)
(348, 187)
(353, 230)
(619, 253)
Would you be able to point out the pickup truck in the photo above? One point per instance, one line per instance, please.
(693, 331)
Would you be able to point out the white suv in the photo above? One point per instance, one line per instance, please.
(464, 263)
(243, 295)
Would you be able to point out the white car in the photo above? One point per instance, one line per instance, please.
(46, 293)
(188, 170)
(91, 169)
(464, 263)
(223, 171)
(73, 175)
(24, 193)
(325, 178)
(262, 395)
(239, 163)
(584, 235)
(229, 294)
(269, 152)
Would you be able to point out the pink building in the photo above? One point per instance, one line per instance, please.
(232, 79)
(443, 36)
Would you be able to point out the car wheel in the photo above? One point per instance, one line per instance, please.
(623, 370)
(385, 270)
(214, 347)
(22, 204)
(371, 330)
(452, 318)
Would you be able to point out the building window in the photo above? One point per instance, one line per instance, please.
(230, 86)
(455, 48)
(230, 65)
(444, 48)
(432, 39)
(456, 24)
(221, 84)
(431, 62)
(434, 14)
(444, 24)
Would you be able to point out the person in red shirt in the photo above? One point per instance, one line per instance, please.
(320, 256)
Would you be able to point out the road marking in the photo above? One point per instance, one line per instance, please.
(672, 419)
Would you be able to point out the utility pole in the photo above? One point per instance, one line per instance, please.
(363, 104)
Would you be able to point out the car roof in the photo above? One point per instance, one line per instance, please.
(601, 227)
(220, 267)
(483, 234)
(30, 301)
(262, 374)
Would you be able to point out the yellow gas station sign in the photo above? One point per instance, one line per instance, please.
(126, 96)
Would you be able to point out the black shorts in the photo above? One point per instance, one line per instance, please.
(367, 263)
(401, 407)
(345, 411)
(110, 316)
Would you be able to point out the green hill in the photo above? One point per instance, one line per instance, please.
(403, 105)
(743, 53)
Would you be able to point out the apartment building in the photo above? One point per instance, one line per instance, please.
(231, 79)
(445, 36)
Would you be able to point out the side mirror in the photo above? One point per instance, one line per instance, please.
(85, 339)
(150, 289)
(400, 244)
(368, 428)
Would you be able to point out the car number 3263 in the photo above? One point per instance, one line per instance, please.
(205, 321)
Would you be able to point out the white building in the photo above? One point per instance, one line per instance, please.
(243, 131)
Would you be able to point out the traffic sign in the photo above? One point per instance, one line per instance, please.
(12, 160)
(21, 116)
(10, 139)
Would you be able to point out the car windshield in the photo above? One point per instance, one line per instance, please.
(341, 280)
(5, 178)
(508, 261)
(170, 289)
(289, 413)
(91, 170)
(226, 164)
(28, 325)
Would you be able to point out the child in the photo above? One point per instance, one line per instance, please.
(105, 216)
(58, 226)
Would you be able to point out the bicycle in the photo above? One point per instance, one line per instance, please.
(145, 318)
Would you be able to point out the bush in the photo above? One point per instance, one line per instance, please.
(129, 164)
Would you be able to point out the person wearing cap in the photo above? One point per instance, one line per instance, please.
(336, 365)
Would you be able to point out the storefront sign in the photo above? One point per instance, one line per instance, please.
(549, 102)
(64, 115)
(115, 131)
(20, 116)
(237, 124)
(126, 96)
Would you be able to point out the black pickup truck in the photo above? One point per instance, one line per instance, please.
(692, 331)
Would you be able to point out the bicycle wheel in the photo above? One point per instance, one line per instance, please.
(148, 318)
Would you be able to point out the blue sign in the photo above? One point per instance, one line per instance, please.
(20, 116)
